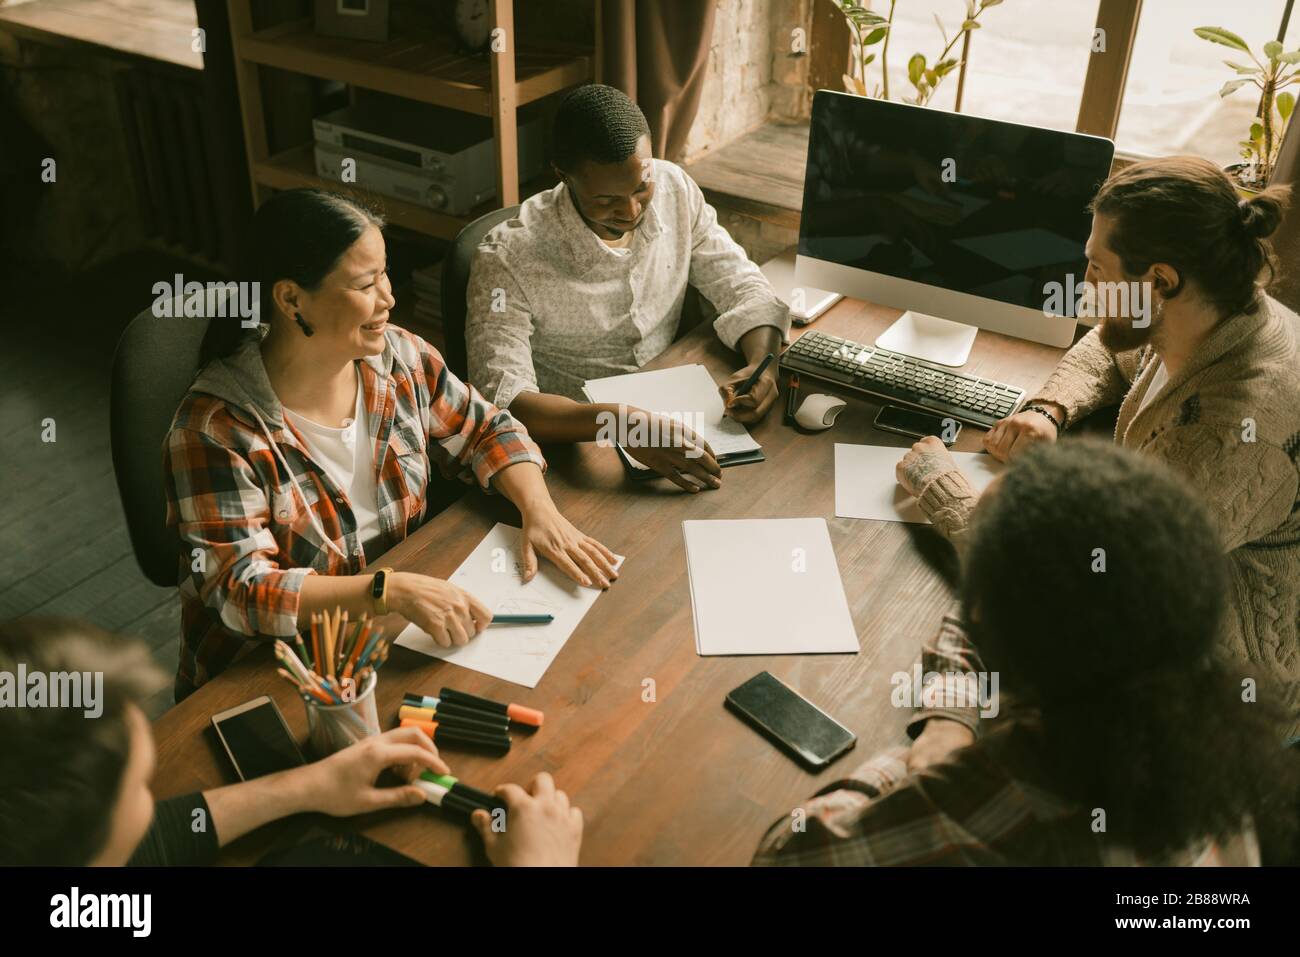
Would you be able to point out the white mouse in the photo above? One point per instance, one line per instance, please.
(818, 411)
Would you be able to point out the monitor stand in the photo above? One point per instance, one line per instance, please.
(929, 338)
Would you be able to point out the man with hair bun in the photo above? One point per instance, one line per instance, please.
(1207, 373)
(589, 279)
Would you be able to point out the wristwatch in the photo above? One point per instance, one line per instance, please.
(379, 591)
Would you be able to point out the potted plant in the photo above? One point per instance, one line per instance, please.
(1271, 75)
(870, 28)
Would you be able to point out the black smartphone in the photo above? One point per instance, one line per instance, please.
(256, 739)
(894, 418)
(799, 727)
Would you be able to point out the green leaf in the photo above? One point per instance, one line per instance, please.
(867, 61)
(944, 67)
(915, 67)
(875, 36)
(1292, 57)
(970, 25)
(1272, 49)
(867, 18)
(989, 3)
(1242, 68)
(1220, 35)
(1285, 105)
(1232, 86)
(931, 78)
(1256, 132)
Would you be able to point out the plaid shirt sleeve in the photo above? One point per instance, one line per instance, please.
(471, 435)
(220, 511)
(827, 829)
(947, 661)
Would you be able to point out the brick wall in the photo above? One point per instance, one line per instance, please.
(753, 75)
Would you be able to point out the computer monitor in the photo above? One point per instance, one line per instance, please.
(965, 222)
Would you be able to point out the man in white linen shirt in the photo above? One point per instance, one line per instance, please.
(588, 280)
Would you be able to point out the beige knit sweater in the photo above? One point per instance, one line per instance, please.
(1230, 423)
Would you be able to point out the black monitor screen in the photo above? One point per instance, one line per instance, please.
(979, 206)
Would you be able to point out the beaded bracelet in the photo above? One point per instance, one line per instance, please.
(1047, 415)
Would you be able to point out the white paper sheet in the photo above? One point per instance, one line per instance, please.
(866, 485)
(518, 653)
(684, 392)
(766, 587)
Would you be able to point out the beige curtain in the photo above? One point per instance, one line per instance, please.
(657, 51)
(1287, 239)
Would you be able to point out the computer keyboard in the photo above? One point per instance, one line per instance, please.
(902, 379)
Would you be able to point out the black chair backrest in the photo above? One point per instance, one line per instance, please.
(153, 368)
(455, 279)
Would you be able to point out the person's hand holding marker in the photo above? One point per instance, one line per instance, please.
(542, 829)
(344, 783)
(750, 391)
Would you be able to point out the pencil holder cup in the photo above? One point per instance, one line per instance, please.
(334, 727)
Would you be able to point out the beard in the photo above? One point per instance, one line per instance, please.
(1121, 335)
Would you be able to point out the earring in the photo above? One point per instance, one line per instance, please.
(302, 324)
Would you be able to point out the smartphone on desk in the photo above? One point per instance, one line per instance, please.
(799, 727)
(256, 739)
(913, 422)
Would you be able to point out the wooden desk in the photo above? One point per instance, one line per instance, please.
(679, 780)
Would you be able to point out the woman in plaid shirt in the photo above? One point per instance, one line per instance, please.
(304, 446)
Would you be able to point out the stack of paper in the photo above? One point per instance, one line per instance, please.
(687, 394)
(766, 587)
(866, 483)
(493, 573)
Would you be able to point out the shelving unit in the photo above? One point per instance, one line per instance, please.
(420, 64)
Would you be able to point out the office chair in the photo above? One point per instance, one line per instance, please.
(455, 280)
(153, 367)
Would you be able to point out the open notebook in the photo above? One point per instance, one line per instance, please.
(685, 393)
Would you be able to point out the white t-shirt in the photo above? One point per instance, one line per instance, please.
(348, 457)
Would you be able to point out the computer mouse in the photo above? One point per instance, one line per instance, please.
(818, 411)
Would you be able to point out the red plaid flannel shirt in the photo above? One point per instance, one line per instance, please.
(256, 514)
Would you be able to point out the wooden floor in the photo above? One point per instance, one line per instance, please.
(66, 550)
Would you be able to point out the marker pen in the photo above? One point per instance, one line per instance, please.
(480, 721)
(490, 712)
(515, 712)
(442, 797)
(447, 735)
(488, 802)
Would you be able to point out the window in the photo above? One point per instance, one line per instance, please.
(1171, 100)
(1027, 61)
